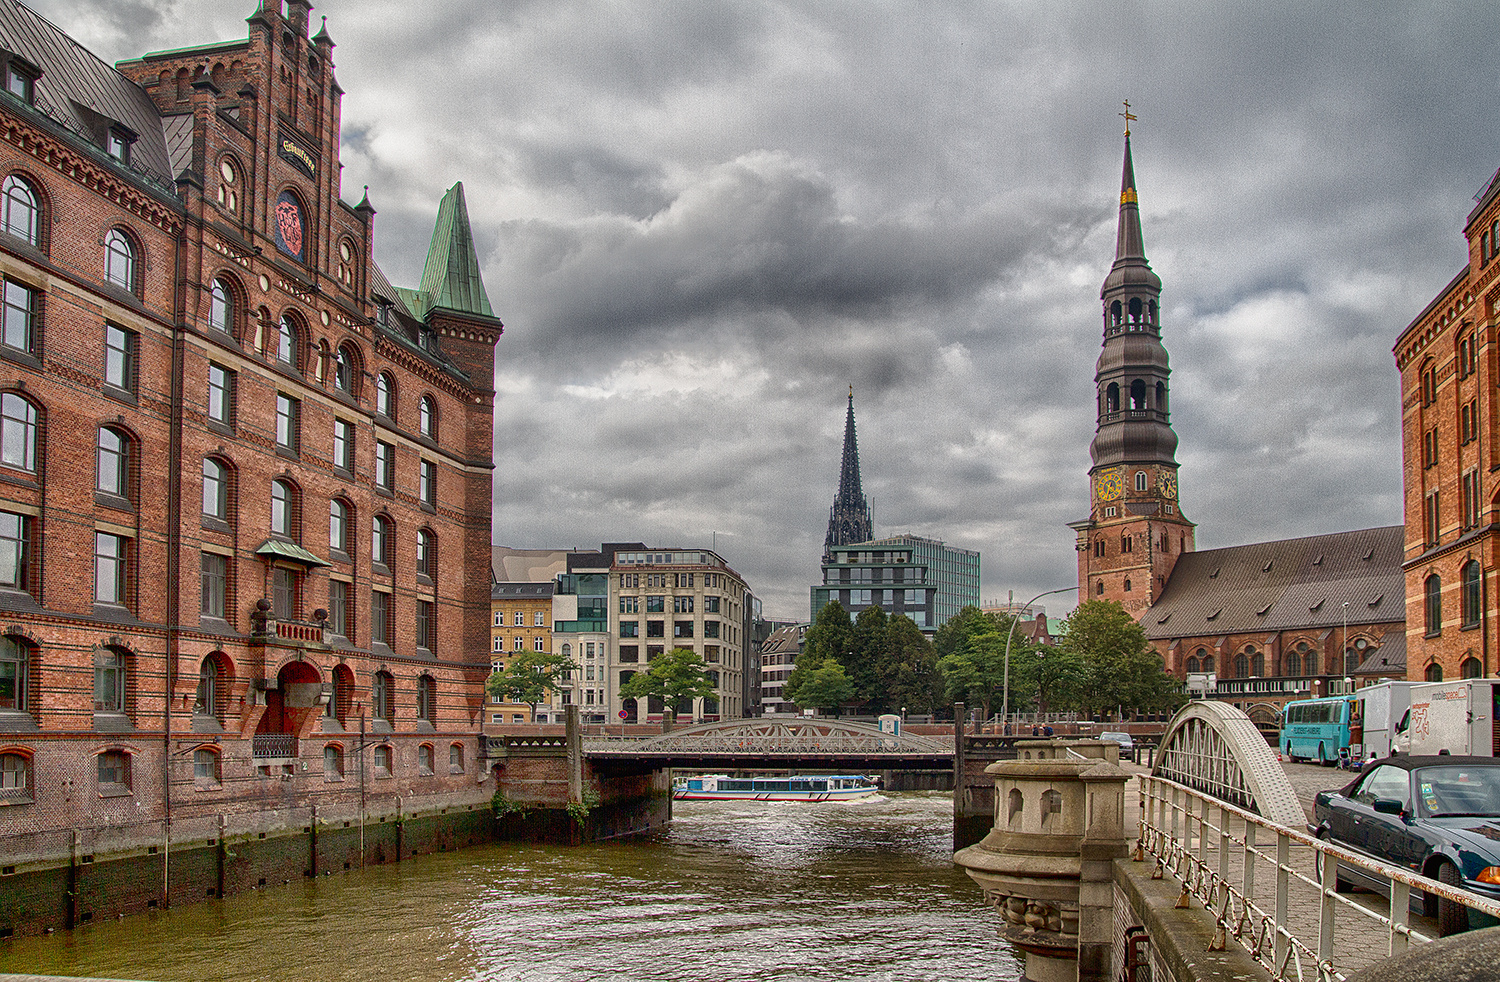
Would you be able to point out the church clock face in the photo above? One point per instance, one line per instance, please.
(1166, 481)
(1111, 484)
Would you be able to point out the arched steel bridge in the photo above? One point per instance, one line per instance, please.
(767, 743)
(1215, 748)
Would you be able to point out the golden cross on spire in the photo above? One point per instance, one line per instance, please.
(1128, 116)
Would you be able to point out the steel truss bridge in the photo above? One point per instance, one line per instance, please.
(808, 743)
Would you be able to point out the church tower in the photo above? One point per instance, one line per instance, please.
(849, 519)
(1135, 530)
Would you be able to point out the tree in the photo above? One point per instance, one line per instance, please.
(976, 671)
(674, 676)
(1054, 674)
(954, 633)
(825, 687)
(1119, 667)
(529, 676)
(866, 650)
(906, 670)
(830, 637)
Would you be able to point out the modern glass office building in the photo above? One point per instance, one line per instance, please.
(870, 575)
(955, 572)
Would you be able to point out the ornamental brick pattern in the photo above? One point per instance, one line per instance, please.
(309, 625)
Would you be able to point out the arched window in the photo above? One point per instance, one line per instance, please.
(15, 676)
(20, 213)
(426, 699)
(1472, 594)
(1151, 311)
(1125, 542)
(1208, 663)
(1434, 673)
(342, 703)
(1241, 666)
(1099, 588)
(1135, 310)
(15, 777)
(1112, 398)
(1470, 669)
(1309, 658)
(283, 508)
(385, 395)
(287, 338)
(1138, 394)
(1432, 590)
(215, 489)
(427, 417)
(426, 554)
(221, 306)
(120, 260)
(112, 473)
(111, 682)
(1116, 313)
(338, 526)
(1161, 397)
(212, 688)
(333, 761)
(380, 541)
(381, 689)
(424, 759)
(229, 186)
(345, 370)
(1193, 665)
(1140, 481)
(1353, 656)
(1127, 586)
(1292, 663)
(1257, 661)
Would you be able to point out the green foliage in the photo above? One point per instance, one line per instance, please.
(505, 806)
(578, 811)
(1119, 667)
(954, 634)
(906, 673)
(529, 676)
(829, 638)
(673, 676)
(825, 687)
(975, 671)
(866, 650)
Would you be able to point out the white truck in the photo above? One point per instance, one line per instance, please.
(1377, 711)
(1453, 718)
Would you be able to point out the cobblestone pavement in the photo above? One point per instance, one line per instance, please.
(1358, 941)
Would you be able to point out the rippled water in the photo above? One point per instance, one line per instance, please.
(857, 890)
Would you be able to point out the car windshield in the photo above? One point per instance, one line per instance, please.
(1454, 789)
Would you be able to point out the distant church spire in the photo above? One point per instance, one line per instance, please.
(849, 520)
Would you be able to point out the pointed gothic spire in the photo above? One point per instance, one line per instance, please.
(451, 277)
(1129, 244)
(849, 519)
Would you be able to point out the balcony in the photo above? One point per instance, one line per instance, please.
(274, 745)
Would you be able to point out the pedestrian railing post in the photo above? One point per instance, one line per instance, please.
(1329, 881)
(1283, 870)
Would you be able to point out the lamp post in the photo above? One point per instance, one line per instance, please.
(1005, 686)
(1344, 646)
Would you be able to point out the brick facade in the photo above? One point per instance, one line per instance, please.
(182, 647)
(1449, 362)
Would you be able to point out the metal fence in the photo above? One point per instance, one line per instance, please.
(1272, 888)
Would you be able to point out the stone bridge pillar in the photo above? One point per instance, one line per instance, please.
(1046, 866)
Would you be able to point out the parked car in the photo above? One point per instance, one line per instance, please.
(1126, 742)
(1435, 815)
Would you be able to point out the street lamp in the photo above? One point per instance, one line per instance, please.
(1005, 688)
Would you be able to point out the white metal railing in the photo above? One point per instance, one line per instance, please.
(1214, 850)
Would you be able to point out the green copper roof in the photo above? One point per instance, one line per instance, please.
(288, 550)
(451, 277)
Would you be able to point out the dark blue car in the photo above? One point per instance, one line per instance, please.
(1437, 816)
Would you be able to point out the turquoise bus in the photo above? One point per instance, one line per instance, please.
(1316, 729)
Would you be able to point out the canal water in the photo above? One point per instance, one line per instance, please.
(729, 890)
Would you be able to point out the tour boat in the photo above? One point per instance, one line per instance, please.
(798, 787)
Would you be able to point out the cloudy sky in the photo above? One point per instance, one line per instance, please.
(701, 222)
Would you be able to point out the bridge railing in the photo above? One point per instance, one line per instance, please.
(1272, 888)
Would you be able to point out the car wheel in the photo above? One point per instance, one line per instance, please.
(1340, 884)
(1452, 917)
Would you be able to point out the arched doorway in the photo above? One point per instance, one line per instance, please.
(288, 706)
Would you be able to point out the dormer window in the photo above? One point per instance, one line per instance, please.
(20, 83)
(382, 312)
(117, 145)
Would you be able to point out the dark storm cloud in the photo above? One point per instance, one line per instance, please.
(702, 222)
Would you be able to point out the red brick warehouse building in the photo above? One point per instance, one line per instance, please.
(1449, 361)
(244, 481)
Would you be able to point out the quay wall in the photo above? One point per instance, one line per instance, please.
(58, 880)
